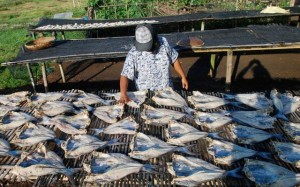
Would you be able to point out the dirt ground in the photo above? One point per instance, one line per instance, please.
(259, 71)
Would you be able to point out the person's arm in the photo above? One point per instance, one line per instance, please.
(179, 70)
(123, 90)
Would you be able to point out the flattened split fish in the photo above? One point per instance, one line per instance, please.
(212, 120)
(226, 152)
(32, 135)
(160, 116)
(13, 120)
(204, 101)
(110, 114)
(90, 99)
(40, 163)
(14, 99)
(4, 109)
(179, 133)
(257, 119)
(285, 103)
(53, 108)
(108, 167)
(75, 124)
(292, 130)
(78, 145)
(40, 98)
(288, 152)
(125, 126)
(191, 171)
(268, 174)
(248, 135)
(5, 149)
(255, 100)
(145, 147)
(137, 98)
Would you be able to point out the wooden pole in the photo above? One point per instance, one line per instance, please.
(228, 70)
(31, 76)
(45, 77)
(62, 72)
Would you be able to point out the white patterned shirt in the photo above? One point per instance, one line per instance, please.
(148, 70)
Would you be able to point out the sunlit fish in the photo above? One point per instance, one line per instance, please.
(292, 130)
(255, 100)
(168, 97)
(109, 114)
(268, 174)
(191, 171)
(144, 147)
(257, 119)
(178, 133)
(14, 99)
(39, 98)
(5, 149)
(108, 167)
(248, 135)
(288, 152)
(75, 124)
(212, 120)
(13, 120)
(125, 126)
(90, 99)
(226, 153)
(33, 134)
(160, 116)
(42, 162)
(53, 108)
(136, 98)
(204, 101)
(4, 109)
(78, 145)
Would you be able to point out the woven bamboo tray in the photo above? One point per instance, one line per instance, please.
(40, 43)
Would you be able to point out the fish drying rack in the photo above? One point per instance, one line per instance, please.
(162, 178)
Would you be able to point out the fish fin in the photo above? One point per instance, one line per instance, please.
(235, 173)
(215, 135)
(97, 130)
(15, 153)
(265, 155)
(281, 116)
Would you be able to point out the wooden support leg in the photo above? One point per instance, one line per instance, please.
(45, 77)
(62, 72)
(202, 26)
(63, 35)
(31, 77)
(212, 65)
(228, 70)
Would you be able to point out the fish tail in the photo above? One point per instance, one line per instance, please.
(97, 131)
(215, 135)
(115, 142)
(235, 173)
(186, 151)
(150, 168)
(15, 153)
(281, 116)
(69, 174)
(265, 155)
(279, 136)
(189, 110)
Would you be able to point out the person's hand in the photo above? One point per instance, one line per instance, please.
(124, 99)
(185, 83)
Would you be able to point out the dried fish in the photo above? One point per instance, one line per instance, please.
(248, 135)
(53, 108)
(292, 130)
(14, 99)
(109, 114)
(288, 152)
(145, 147)
(108, 167)
(226, 153)
(179, 133)
(39, 98)
(13, 120)
(90, 99)
(137, 98)
(33, 134)
(5, 149)
(75, 124)
(168, 97)
(126, 126)
(40, 163)
(78, 145)
(255, 100)
(268, 174)
(212, 120)
(191, 171)
(257, 119)
(160, 116)
(4, 109)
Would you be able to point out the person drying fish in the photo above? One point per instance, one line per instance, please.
(147, 63)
